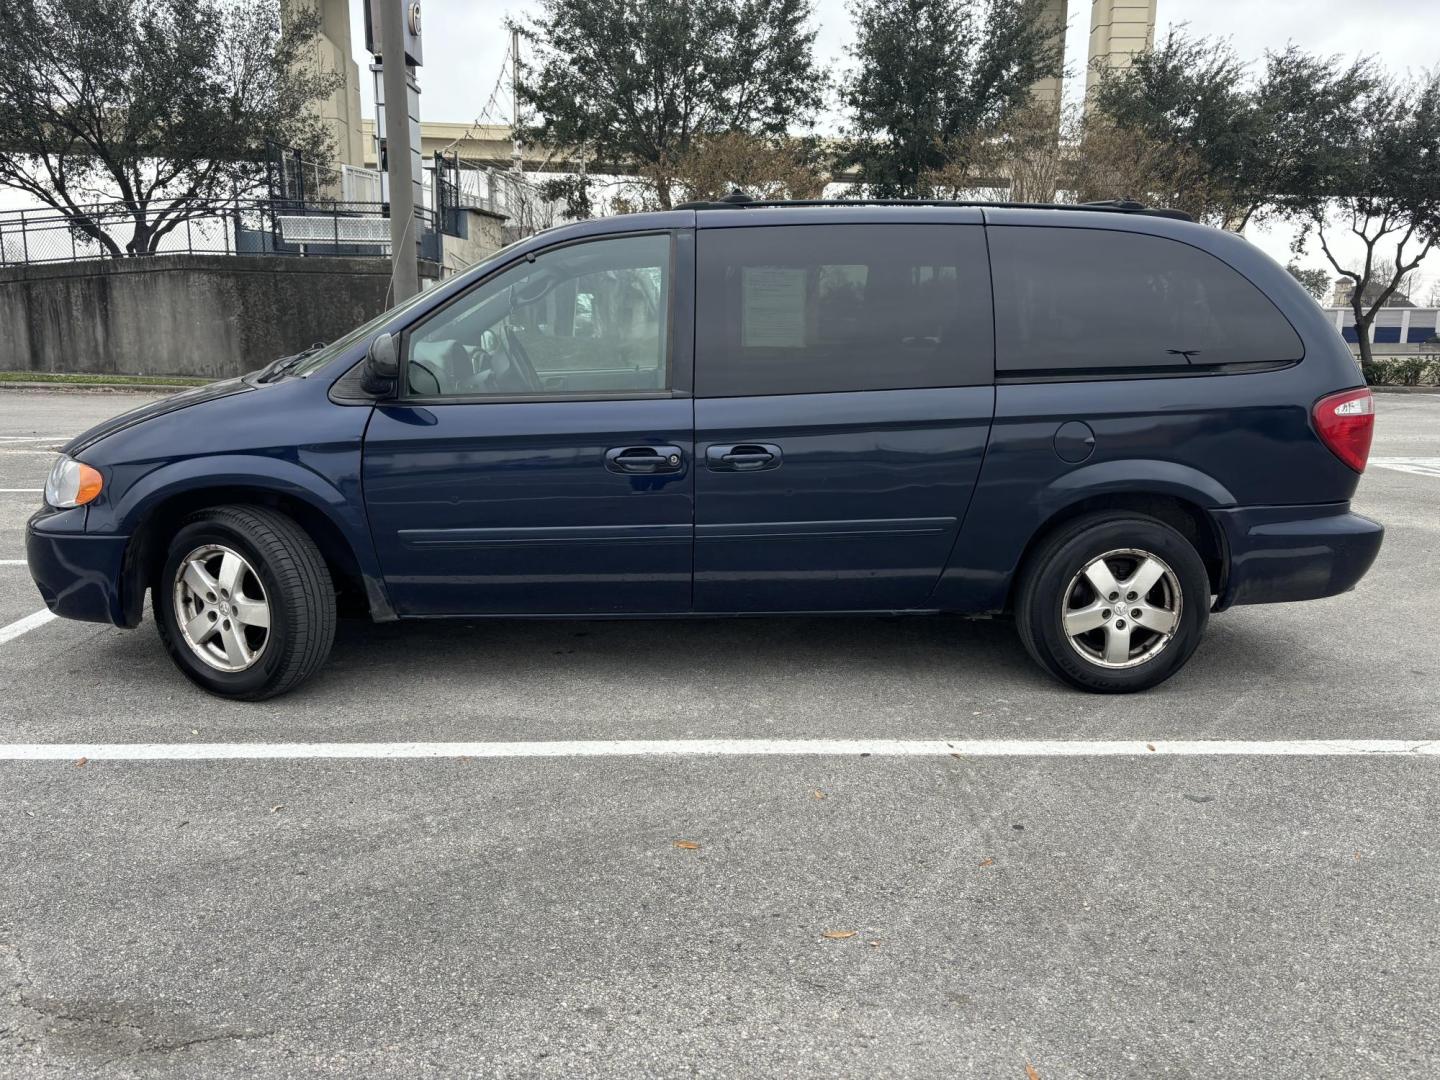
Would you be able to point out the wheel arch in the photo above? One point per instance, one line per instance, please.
(1187, 516)
(151, 517)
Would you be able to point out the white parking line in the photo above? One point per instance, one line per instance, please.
(1419, 466)
(12, 562)
(25, 625)
(18, 491)
(721, 748)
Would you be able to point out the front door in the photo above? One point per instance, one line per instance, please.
(541, 457)
(843, 399)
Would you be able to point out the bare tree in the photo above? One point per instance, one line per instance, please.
(764, 167)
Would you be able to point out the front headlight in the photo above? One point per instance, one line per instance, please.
(71, 483)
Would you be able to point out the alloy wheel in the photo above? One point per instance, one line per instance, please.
(1122, 608)
(221, 608)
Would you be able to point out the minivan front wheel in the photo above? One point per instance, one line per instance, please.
(1113, 604)
(244, 603)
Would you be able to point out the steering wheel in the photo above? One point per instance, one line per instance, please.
(523, 366)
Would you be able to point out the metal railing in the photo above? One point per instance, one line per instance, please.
(247, 227)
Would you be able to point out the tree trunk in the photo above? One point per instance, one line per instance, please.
(1362, 335)
(140, 241)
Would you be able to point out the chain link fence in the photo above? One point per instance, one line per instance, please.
(254, 227)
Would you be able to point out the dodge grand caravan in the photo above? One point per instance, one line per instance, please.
(1107, 421)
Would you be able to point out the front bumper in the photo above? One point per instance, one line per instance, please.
(79, 575)
(1281, 553)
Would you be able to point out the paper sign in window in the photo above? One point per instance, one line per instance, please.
(772, 310)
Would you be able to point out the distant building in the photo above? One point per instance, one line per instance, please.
(1396, 331)
(341, 110)
(1345, 290)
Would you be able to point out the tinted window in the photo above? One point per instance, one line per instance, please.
(803, 309)
(582, 319)
(1093, 299)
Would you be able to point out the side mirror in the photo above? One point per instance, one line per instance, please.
(382, 365)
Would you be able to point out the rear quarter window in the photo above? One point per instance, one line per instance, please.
(1093, 300)
(806, 309)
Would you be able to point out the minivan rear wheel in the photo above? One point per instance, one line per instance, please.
(244, 602)
(1113, 603)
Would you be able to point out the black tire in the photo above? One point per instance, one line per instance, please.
(1046, 583)
(297, 587)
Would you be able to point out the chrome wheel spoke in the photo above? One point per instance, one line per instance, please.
(1145, 577)
(231, 567)
(200, 628)
(1083, 620)
(1101, 579)
(196, 577)
(1117, 644)
(237, 653)
(1155, 618)
(250, 612)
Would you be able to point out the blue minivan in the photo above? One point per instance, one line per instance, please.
(1105, 420)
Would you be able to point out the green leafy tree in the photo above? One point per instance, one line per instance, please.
(162, 108)
(1315, 281)
(1253, 146)
(929, 77)
(1385, 203)
(629, 86)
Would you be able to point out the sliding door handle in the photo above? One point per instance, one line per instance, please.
(743, 457)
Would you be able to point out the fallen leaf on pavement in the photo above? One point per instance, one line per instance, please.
(1149, 746)
(1031, 1073)
(987, 861)
(277, 808)
(838, 935)
(80, 762)
(817, 794)
(873, 944)
(687, 845)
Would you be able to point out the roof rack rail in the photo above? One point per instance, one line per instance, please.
(739, 200)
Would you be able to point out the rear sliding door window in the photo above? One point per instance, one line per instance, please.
(1071, 300)
(810, 309)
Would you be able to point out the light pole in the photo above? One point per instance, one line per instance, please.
(399, 151)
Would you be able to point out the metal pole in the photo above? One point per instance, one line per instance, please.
(405, 269)
(515, 156)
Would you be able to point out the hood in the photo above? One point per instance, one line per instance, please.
(173, 403)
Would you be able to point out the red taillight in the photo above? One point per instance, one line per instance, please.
(1346, 423)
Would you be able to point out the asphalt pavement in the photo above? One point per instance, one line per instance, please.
(1178, 916)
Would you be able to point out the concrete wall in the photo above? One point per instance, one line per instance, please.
(484, 235)
(211, 315)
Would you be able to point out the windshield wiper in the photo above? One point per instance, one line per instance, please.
(276, 368)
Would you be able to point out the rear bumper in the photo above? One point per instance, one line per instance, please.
(78, 575)
(1280, 553)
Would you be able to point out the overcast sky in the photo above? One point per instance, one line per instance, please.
(465, 45)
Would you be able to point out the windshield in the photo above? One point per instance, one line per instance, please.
(321, 357)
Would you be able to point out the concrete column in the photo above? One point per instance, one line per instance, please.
(1056, 14)
(1118, 30)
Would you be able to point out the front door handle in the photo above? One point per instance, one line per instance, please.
(645, 459)
(743, 457)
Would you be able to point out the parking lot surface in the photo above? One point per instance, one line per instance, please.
(820, 914)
